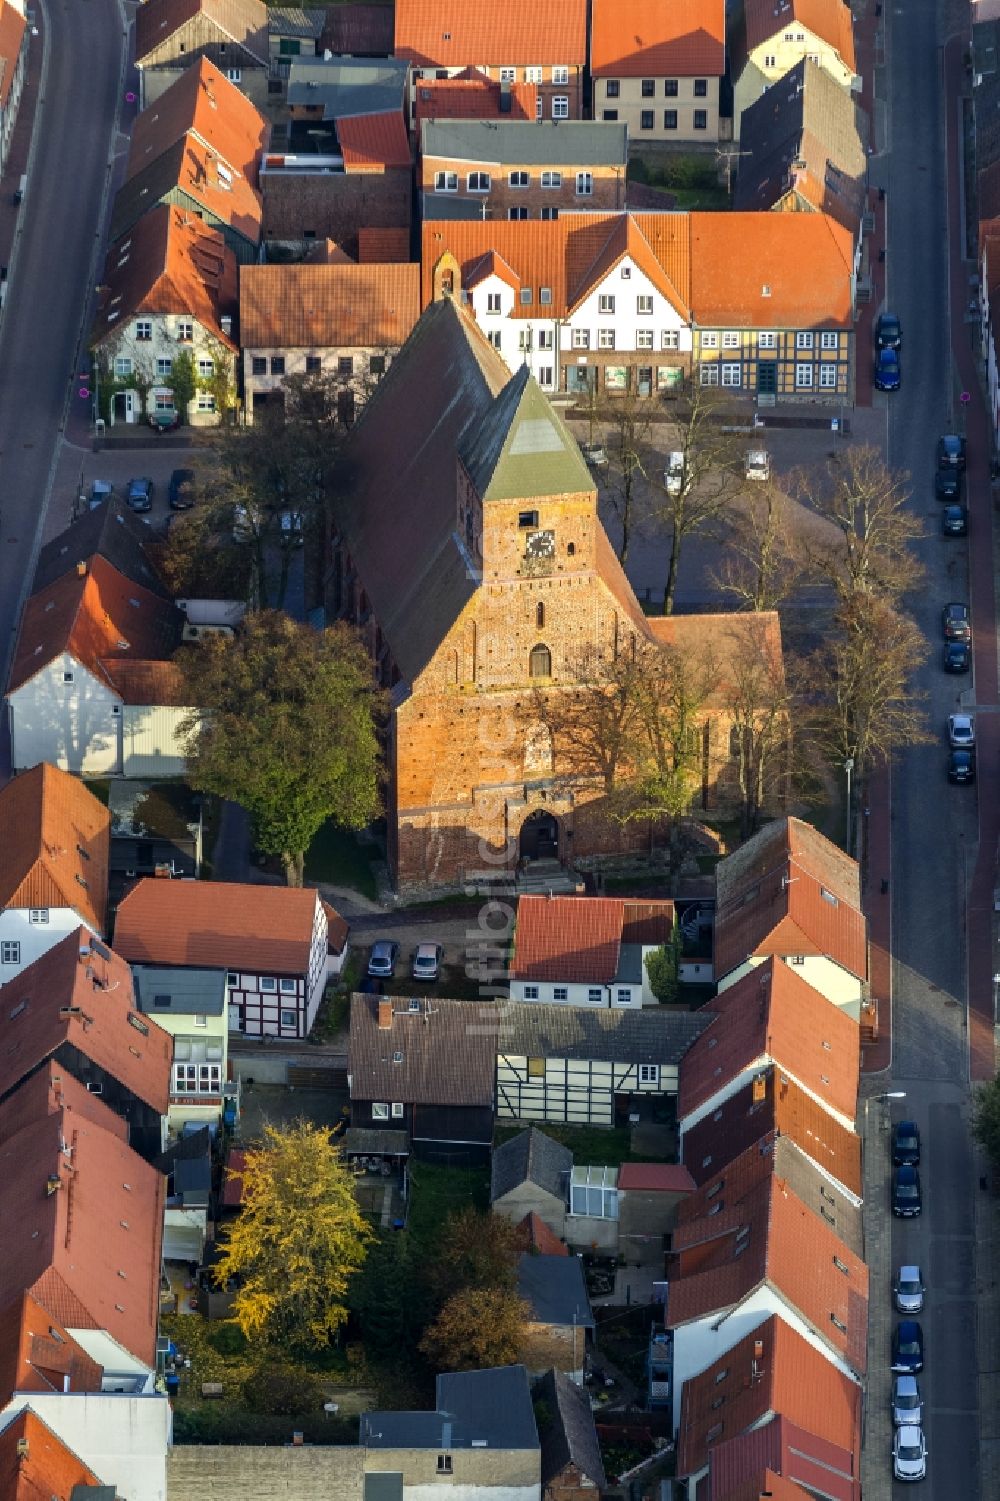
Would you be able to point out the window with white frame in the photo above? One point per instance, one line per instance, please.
(446, 182)
(560, 75)
(644, 338)
(197, 1078)
(10, 953)
(520, 179)
(731, 375)
(710, 375)
(267, 983)
(606, 303)
(539, 105)
(767, 341)
(123, 368)
(201, 1020)
(532, 75)
(206, 368)
(493, 334)
(493, 302)
(581, 338)
(595, 995)
(709, 341)
(185, 332)
(144, 329)
(398, 1110)
(770, 60)
(584, 184)
(508, 75)
(670, 339)
(803, 377)
(205, 402)
(478, 182)
(605, 338)
(163, 401)
(593, 1191)
(38, 916)
(287, 987)
(643, 306)
(560, 107)
(731, 339)
(380, 1112)
(828, 341)
(803, 341)
(164, 367)
(623, 997)
(232, 979)
(234, 75)
(531, 992)
(649, 1073)
(545, 337)
(551, 179)
(560, 993)
(828, 377)
(289, 1018)
(545, 375)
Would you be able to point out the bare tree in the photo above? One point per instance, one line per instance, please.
(707, 479)
(761, 708)
(629, 422)
(868, 547)
(763, 564)
(592, 722)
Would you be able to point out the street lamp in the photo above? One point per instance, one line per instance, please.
(890, 1094)
(849, 767)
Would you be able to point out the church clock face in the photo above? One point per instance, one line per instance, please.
(540, 545)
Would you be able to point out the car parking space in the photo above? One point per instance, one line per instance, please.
(116, 466)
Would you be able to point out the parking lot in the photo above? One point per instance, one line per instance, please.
(78, 468)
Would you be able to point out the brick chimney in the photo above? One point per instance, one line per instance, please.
(385, 1015)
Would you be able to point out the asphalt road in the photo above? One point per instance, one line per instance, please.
(51, 278)
(933, 825)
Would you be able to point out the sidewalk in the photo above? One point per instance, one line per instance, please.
(20, 147)
(873, 1123)
(868, 42)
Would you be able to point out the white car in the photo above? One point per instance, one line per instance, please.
(758, 464)
(908, 1290)
(961, 731)
(909, 1454)
(673, 474)
(907, 1403)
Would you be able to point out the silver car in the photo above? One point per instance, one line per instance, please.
(907, 1403)
(961, 731)
(909, 1454)
(908, 1290)
(382, 963)
(427, 961)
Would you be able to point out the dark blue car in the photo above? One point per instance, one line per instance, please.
(908, 1347)
(887, 370)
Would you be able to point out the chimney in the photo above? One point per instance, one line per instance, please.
(758, 1349)
(81, 570)
(385, 1015)
(22, 1448)
(298, 1438)
(226, 324)
(52, 1184)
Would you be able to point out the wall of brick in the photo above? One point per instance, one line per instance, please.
(209, 1472)
(608, 187)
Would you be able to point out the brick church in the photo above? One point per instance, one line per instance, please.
(470, 554)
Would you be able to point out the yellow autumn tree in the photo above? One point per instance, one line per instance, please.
(298, 1241)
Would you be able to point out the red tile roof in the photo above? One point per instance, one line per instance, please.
(48, 1469)
(746, 270)
(95, 614)
(579, 939)
(771, 1015)
(232, 1183)
(540, 1239)
(328, 307)
(370, 143)
(36, 1355)
(772, 1370)
(459, 33)
(801, 1458)
(219, 924)
(787, 891)
(474, 97)
(12, 28)
(383, 245)
(83, 1229)
(52, 1090)
(753, 1487)
(647, 39)
(338, 929)
(147, 682)
(665, 1177)
(79, 998)
(829, 20)
(202, 101)
(55, 837)
(786, 1109)
(772, 1237)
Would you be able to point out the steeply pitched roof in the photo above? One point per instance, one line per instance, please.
(539, 1238)
(83, 1230)
(217, 924)
(555, 1291)
(241, 21)
(171, 263)
(521, 448)
(80, 992)
(789, 890)
(203, 101)
(293, 21)
(800, 1458)
(579, 939)
(570, 1436)
(111, 530)
(555, 143)
(474, 1409)
(54, 835)
(529, 1029)
(805, 135)
(53, 1090)
(36, 1355)
(771, 1014)
(49, 1468)
(772, 1237)
(777, 1156)
(752, 1487)
(472, 96)
(530, 1157)
(479, 32)
(371, 143)
(362, 30)
(439, 1053)
(785, 1108)
(773, 1370)
(332, 307)
(147, 682)
(397, 512)
(12, 29)
(193, 170)
(647, 39)
(95, 614)
(746, 270)
(829, 20)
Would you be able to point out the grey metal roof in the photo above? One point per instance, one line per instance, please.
(179, 992)
(527, 143)
(110, 531)
(484, 1409)
(293, 21)
(530, 1157)
(570, 1436)
(654, 1035)
(448, 206)
(346, 86)
(555, 1289)
(521, 448)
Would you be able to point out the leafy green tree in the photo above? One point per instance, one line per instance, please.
(299, 1239)
(477, 1327)
(285, 725)
(387, 1298)
(183, 383)
(986, 1119)
(661, 969)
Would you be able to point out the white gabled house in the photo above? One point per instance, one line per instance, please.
(587, 951)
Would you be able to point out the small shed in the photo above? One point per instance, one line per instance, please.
(530, 1175)
(649, 1194)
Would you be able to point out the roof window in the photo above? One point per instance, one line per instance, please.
(839, 1323)
(828, 896)
(136, 1021)
(841, 1266)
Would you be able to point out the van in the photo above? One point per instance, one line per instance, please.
(21, 189)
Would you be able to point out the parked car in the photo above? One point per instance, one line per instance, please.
(954, 521)
(909, 1454)
(888, 332)
(673, 474)
(907, 1403)
(906, 1200)
(427, 961)
(962, 766)
(948, 482)
(887, 373)
(955, 623)
(957, 656)
(758, 464)
(951, 450)
(594, 454)
(908, 1347)
(382, 961)
(291, 527)
(180, 491)
(908, 1290)
(905, 1143)
(139, 494)
(100, 491)
(961, 731)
